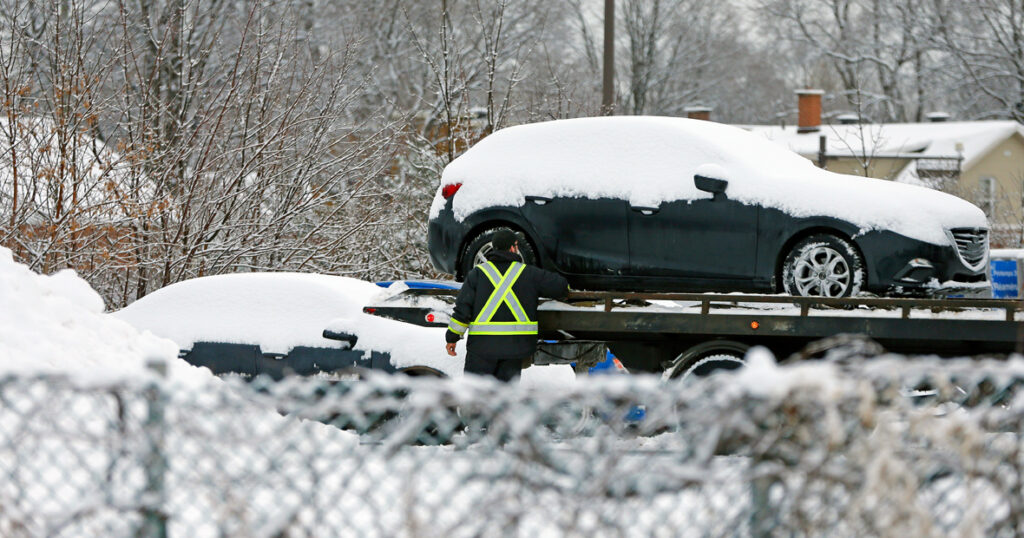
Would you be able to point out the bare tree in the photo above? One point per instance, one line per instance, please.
(203, 137)
(877, 48)
(986, 40)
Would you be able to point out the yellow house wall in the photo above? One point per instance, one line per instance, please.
(879, 168)
(1005, 163)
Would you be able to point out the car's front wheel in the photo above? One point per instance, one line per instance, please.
(476, 251)
(823, 265)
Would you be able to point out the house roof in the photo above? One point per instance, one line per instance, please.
(933, 139)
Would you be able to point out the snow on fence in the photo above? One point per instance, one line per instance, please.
(887, 447)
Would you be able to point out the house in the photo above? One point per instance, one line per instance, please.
(981, 161)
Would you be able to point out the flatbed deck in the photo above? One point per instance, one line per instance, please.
(669, 323)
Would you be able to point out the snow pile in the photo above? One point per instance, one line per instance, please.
(552, 378)
(55, 324)
(762, 376)
(1007, 254)
(650, 160)
(279, 311)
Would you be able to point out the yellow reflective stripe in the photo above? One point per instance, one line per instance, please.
(503, 327)
(502, 333)
(494, 300)
(457, 322)
(475, 324)
(492, 272)
(514, 305)
(501, 290)
(457, 327)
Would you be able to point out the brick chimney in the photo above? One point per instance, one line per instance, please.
(698, 113)
(809, 105)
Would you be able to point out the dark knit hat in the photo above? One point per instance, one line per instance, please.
(503, 240)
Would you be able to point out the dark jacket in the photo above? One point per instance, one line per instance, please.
(532, 284)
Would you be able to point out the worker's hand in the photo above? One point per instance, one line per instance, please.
(451, 348)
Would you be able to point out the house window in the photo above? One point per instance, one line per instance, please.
(987, 195)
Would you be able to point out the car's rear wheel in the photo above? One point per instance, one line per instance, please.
(477, 249)
(823, 265)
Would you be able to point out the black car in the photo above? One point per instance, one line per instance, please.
(670, 204)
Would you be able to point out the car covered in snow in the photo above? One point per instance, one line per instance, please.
(672, 204)
(277, 324)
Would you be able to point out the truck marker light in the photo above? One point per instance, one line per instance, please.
(754, 325)
(369, 310)
(430, 318)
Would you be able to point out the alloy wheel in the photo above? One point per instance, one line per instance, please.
(822, 271)
(481, 254)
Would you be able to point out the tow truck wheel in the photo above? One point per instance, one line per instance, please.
(823, 265)
(477, 249)
(706, 358)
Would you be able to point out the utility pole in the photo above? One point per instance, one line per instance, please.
(608, 85)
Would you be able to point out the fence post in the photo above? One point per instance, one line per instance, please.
(762, 517)
(154, 521)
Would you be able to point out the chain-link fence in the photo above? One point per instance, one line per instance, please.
(887, 447)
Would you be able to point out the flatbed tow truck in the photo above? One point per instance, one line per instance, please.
(674, 333)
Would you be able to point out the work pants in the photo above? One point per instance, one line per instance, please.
(503, 370)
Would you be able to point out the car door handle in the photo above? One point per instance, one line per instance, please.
(645, 210)
(539, 200)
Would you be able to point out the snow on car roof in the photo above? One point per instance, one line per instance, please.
(649, 160)
(55, 324)
(280, 311)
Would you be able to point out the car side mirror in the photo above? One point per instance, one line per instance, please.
(712, 185)
(344, 337)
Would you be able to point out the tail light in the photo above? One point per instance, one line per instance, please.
(449, 190)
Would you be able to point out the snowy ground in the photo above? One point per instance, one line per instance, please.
(94, 443)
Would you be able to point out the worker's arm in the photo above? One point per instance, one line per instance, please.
(463, 312)
(551, 284)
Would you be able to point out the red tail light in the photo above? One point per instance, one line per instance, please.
(449, 190)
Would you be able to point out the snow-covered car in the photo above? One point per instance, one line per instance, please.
(287, 323)
(649, 203)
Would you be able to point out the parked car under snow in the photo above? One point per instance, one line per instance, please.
(278, 324)
(651, 204)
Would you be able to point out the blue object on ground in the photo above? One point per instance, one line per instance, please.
(607, 366)
(423, 284)
(611, 366)
(1004, 279)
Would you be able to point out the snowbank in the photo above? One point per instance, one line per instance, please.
(650, 160)
(55, 324)
(1007, 254)
(279, 311)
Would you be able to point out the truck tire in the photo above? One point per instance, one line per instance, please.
(481, 245)
(706, 358)
(823, 265)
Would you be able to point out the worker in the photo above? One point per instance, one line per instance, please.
(497, 306)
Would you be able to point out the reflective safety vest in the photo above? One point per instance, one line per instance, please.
(502, 293)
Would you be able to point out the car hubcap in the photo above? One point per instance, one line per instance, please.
(822, 272)
(481, 255)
